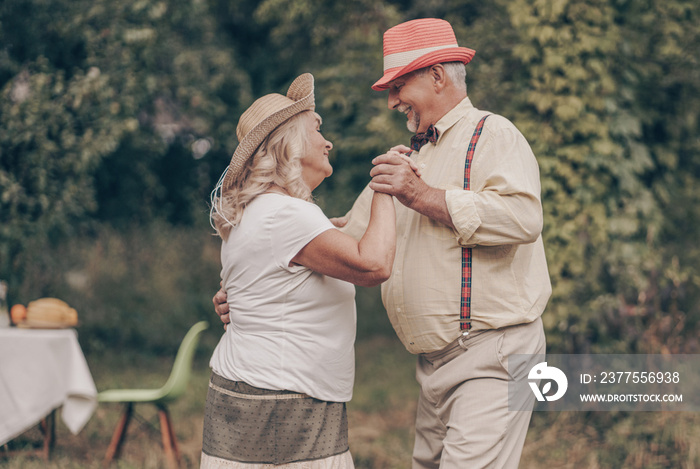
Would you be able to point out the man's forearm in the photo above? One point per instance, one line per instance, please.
(431, 203)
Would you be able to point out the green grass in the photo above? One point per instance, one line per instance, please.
(381, 417)
(142, 448)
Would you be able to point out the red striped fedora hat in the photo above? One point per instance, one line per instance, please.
(417, 44)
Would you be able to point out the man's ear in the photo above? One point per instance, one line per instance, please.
(438, 77)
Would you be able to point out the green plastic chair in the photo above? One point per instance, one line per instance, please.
(173, 388)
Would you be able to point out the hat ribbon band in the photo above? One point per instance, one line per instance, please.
(400, 59)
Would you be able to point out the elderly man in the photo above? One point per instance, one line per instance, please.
(470, 279)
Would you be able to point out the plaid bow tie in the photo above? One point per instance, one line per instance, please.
(430, 135)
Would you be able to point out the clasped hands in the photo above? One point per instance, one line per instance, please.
(396, 174)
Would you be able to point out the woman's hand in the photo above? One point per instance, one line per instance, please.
(220, 301)
(339, 222)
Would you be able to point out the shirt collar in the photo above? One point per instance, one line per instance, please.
(453, 116)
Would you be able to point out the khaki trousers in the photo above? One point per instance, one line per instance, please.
(463, 419)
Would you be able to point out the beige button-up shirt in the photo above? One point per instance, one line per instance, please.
(500, 218)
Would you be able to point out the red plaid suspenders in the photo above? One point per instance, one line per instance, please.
(465, 321)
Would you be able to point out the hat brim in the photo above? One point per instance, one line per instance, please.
(453, 54)
(301, 91)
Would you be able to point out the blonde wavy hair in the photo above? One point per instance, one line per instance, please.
(277, 161)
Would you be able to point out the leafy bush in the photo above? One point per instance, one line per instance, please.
(139, 288)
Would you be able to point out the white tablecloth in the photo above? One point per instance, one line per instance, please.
(40, 370)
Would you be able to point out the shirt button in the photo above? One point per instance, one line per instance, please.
(398, 310)
(422, 165)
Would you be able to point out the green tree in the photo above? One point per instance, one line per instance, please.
(53, 132)
(661, 74)
(127, 92)
(585, 94)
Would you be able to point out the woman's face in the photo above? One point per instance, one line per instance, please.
(315, 166)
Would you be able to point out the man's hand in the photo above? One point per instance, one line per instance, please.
(221, 306)
(401, 149)
(396, 174)
(404, 151)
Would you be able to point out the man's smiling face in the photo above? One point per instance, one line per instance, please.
(410, 94)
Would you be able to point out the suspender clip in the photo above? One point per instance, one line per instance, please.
(463, 339)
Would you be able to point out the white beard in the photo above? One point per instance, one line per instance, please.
(412, 123)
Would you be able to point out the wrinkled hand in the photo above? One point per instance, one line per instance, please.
(396, 174)
(221, 307)
(401, 149)
(404, 151)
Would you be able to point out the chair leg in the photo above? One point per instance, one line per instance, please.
(48, 428)
(118, 435)
(173, 439)
(172, 452)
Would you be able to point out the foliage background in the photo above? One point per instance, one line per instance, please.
(117, 117)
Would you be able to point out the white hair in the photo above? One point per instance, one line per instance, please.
(455, 71)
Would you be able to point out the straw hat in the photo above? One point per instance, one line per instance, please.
(417, 44)
(264, 116)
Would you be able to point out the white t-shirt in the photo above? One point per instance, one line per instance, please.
(291, 328)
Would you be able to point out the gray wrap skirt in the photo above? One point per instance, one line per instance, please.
(246, 424)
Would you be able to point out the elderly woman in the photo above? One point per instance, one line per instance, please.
(284, 369)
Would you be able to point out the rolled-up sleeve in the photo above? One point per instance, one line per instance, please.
(505, 208)
(462, 208)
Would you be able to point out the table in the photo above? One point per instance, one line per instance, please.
(41, 370)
